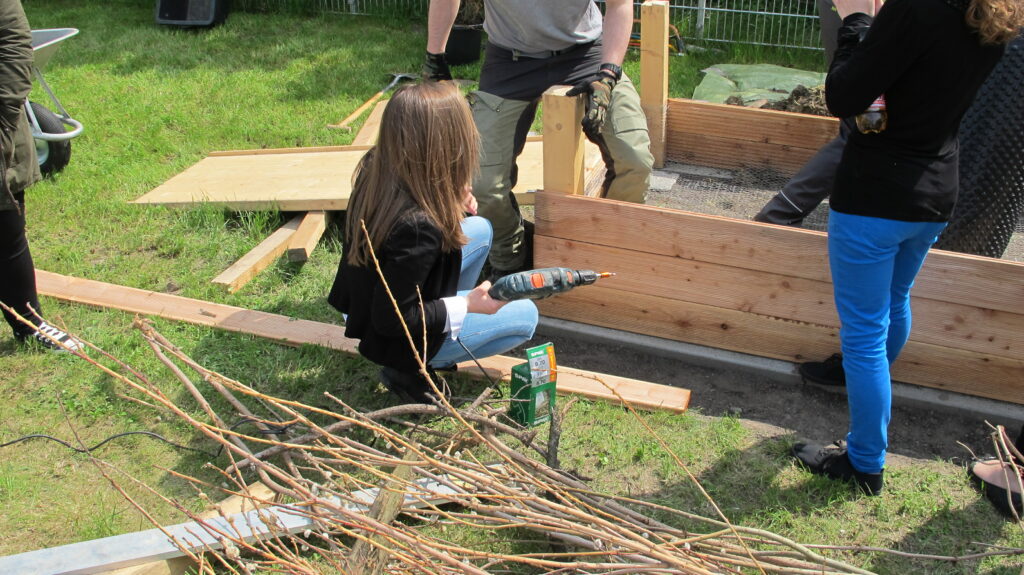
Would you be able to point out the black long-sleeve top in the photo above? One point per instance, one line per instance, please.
(414, 266)
(922, 56)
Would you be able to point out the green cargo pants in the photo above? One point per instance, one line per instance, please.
(504, 124)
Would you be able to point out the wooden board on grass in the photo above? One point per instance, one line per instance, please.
(307, 236)
(257, 260)
(304, 179)
(292, 331)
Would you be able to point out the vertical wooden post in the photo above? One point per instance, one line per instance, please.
(654, 72)
(563, 142)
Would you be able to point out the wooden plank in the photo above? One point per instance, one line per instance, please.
(287, 181)
(732, 153)
(367, 134)
(258, 258)
(985, 283)
(595, 385)
(278, 328)
(563, 145)
(301, 150)
(654, 23)
(291, 331)
(921, 364)
(726, 136)
(777, 295)
(750, 124)
(304, 179)
(307, 236)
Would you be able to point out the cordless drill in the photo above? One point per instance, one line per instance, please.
(541, 283)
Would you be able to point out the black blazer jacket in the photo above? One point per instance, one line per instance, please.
(410, 258)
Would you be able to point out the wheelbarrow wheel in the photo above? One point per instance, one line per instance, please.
(52, 156)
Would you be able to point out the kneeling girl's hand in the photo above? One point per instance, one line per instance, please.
(478, 301)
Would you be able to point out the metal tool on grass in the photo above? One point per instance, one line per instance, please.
(359, 111)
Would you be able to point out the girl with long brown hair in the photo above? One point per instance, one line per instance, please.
(408, 212)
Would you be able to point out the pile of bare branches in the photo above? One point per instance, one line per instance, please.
(445, 469)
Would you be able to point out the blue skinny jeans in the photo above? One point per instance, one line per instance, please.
(874, 262)
(484, 335)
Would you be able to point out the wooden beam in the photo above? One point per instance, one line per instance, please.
(563, 142)
(291, 331)
(367, 135)
(594, 385)
(654, 58)
(258, 258)
(307, 236)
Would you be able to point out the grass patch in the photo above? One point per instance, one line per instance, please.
(154, 101)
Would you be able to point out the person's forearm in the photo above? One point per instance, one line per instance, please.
(618, 25)
(440, 17)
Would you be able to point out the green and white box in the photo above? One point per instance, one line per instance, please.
(533, 386)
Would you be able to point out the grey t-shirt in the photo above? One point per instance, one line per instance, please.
(540, 25)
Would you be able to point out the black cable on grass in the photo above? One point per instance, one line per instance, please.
(494, 384)
(109, 439)
(274, 430)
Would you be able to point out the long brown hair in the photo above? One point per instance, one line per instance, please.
(426, 154)
(997, 21)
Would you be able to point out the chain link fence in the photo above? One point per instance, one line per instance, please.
(779, 23)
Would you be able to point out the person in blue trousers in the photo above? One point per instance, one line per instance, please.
(894, 190)
(407, 282)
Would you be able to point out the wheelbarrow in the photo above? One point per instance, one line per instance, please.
(53, 139)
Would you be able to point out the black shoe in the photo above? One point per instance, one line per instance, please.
(412, 387)
(829, 372)
(833, 462)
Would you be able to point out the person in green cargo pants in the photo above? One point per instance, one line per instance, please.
(532, 46)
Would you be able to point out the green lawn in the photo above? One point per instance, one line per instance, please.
(154, 101)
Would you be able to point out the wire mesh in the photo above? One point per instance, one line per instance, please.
(777, 23)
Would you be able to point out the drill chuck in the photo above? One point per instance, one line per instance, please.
(542, 283)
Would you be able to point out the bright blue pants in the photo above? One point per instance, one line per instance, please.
(874, 262)
(484, 335)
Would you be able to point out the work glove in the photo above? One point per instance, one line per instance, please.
(435, 68)
(598, 89)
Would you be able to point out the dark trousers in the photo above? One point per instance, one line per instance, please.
(809, 187)
(17, 274)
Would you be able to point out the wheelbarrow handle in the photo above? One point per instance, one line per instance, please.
(76, 129)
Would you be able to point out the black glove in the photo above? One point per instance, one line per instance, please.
(598, 88)
(435, 68)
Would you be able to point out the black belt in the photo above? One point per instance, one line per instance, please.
(544, 54)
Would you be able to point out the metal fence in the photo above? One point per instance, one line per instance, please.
(780, 23)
